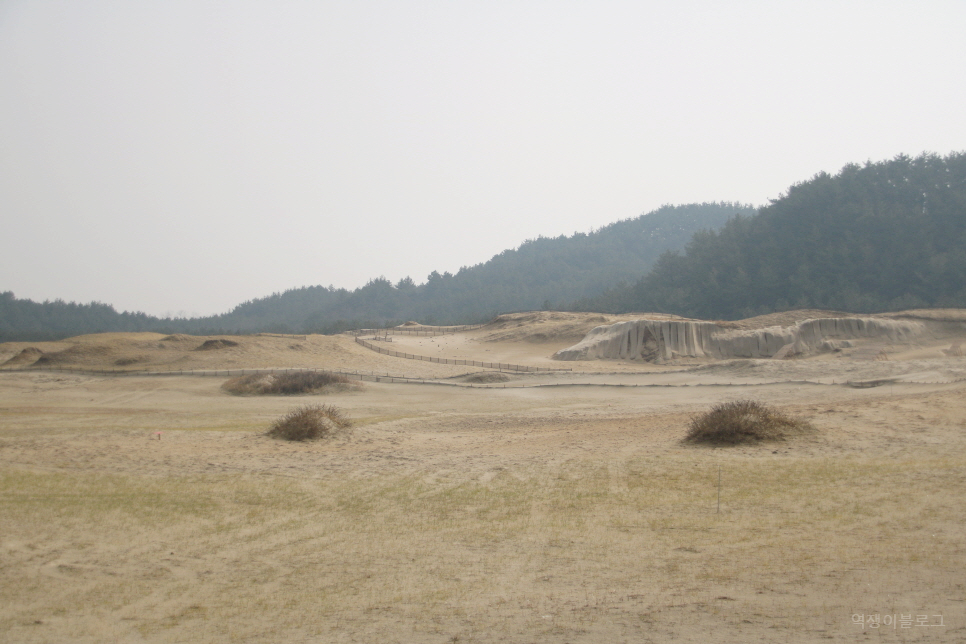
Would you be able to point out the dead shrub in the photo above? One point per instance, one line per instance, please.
(743, 421)
(310, 422)
(289, 383)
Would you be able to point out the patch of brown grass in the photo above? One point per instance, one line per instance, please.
(743, 421)
(28, 356)
(220, 343)
(310, 422)
(79, 354)
(289, 383)
(487, 377)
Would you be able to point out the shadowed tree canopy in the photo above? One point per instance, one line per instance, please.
(875, 237)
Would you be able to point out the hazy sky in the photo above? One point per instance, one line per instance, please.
(182, 157)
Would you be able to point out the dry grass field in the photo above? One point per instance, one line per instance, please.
(559, 507)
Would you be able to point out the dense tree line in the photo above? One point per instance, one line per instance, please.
(881, 236)
(541, 273)
(28, 320)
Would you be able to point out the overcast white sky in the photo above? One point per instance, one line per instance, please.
(182, 157)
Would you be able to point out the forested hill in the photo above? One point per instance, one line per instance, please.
(541, 273)
(883, 236)
(28, 320)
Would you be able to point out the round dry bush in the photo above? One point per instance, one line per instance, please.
(743, 421)
(310, 422)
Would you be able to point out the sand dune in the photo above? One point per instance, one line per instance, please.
(482, 507)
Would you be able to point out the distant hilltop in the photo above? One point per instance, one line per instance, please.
(876, 237)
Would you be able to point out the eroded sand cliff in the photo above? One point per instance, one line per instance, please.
(657, 340)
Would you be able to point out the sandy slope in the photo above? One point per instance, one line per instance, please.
(131, 352)
(547, 508)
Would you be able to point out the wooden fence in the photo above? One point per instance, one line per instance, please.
(428, 331)
(373, 376)
(500, 366)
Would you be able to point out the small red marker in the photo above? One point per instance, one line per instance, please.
(158, 434)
